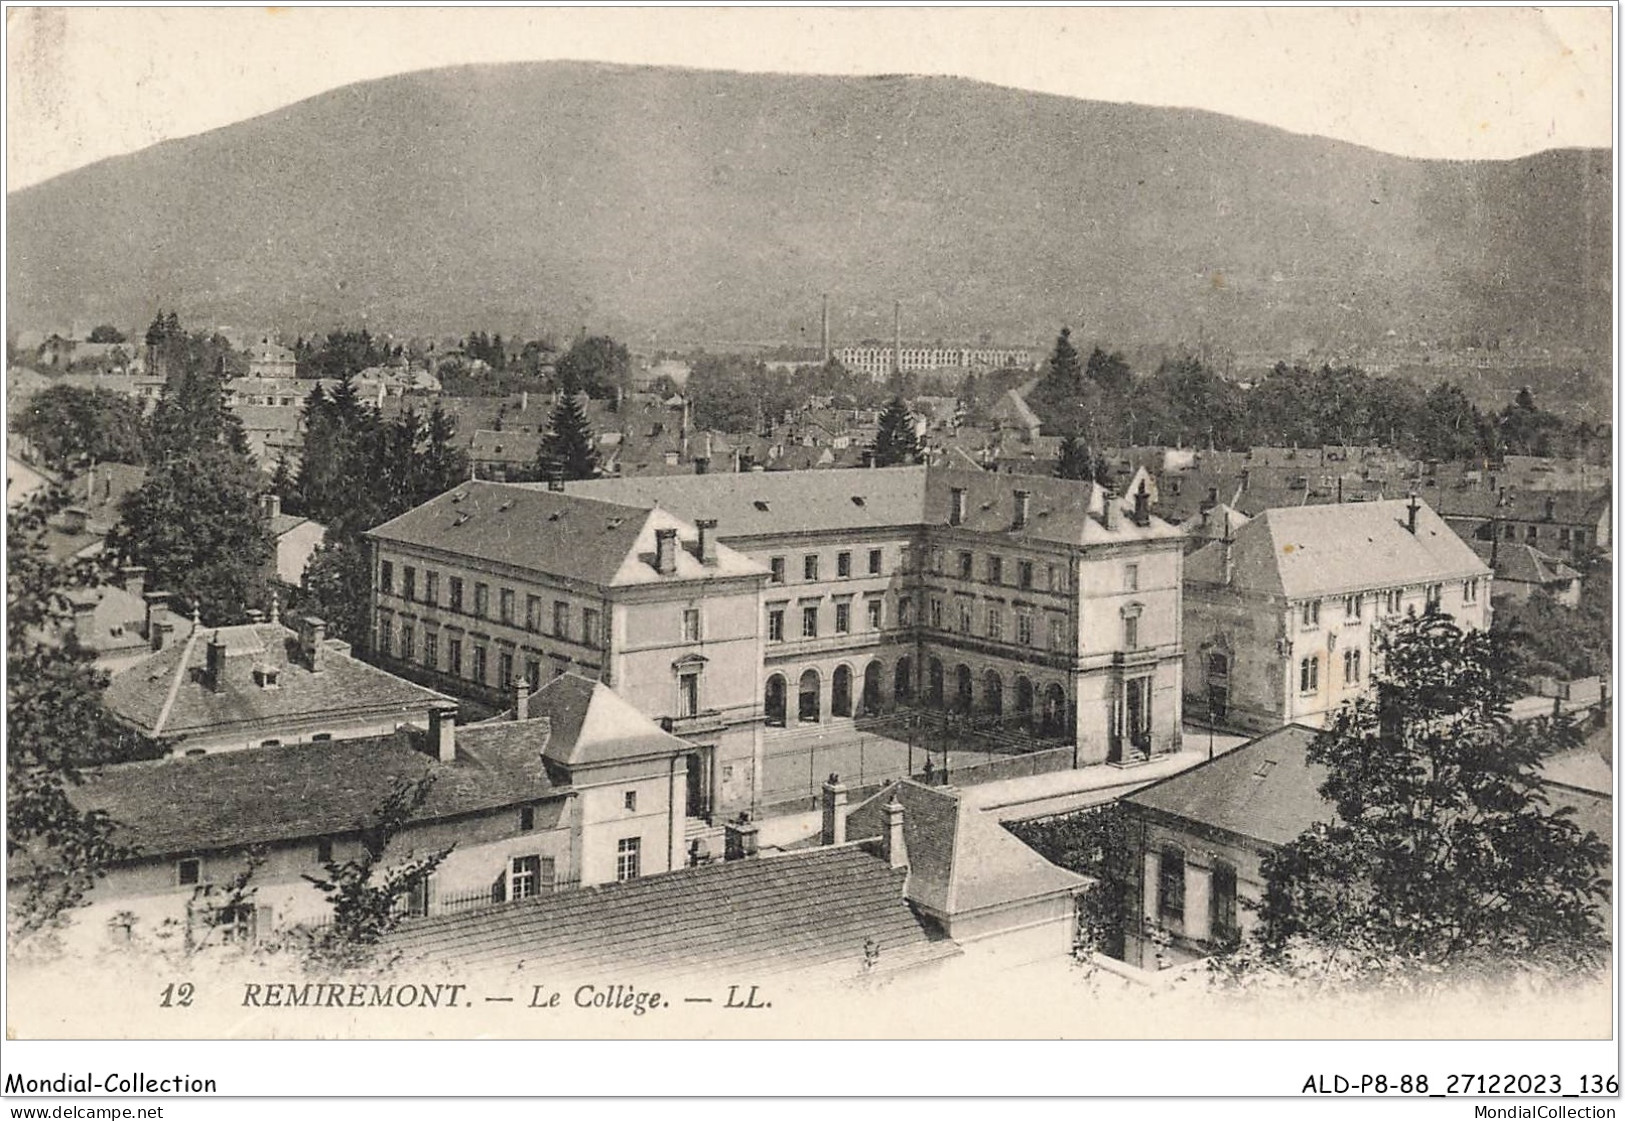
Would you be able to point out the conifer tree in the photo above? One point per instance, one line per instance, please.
(1074, 460)
(1065, 368)
(896, 444)
(568, 451)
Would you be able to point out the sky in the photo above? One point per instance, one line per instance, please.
(83, 84)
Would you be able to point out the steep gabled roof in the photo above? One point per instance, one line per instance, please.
(808, 910)
(1308, 551)
(591, 723)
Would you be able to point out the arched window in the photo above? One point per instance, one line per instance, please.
(1024, 701)
(903, 679)
(873, 674)
(773, 702)
(934, 686)
(992, 693)
(840, 699)
(808, 711)
(1054, 720)
(963, 695)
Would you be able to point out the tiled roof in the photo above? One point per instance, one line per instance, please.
(1266, 789)
(772, 914)
(1060, 510)
(563, 534)
(1568, 507)
(345, 686)
(1336, 549)
(1522, 563)
(116, 619)
(960, 859)
(590, 723)
(282, 523)
(238, 798)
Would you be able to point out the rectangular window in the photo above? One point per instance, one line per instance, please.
(936, 613)
(482, 600)
(1469, 591)
(1511, 531)
(386, 635)
(589, 626)
(688, 694)
(454, 656)
(1435, 594)
(1532, 534)
(189, 872)
(455, 587)
(533, 613)
(431, 587)
(776, 564)
(995, 623)
(1563, 538)
(809, 622)
(775, 624)
(409, 582)
(1309, 674)
(874, 562)
(505, 669)
(533, 674)
(1353, 606)
(479, 664)
(527, 818)
(1222, 905)
(1057, 578)
(431, 649)
(324, 851)
(691, 624)
(386, 578)
(1392, 601)
(505, 605)
(1171, 886)
(1579, 538)
(995, 570)
(875, 607)
(1131, 632)
(843, 617)
(967, 565)
(408, 641)
(628, 858)
(631, 800)
(1131, 577)
(525, 879)
(964, 617)
(936, 561)
(843, 564)
(561, 619)
(1024, 575)
(905, 611)
(1024, 628)
(1309, 613)
(1057, 634)
(1351, 667)
(809, 566)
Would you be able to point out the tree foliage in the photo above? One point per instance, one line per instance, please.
(367, 897)
(1445, 855)
(55, 725)
(897, 444)
(106, 333)
(72, 427)
(1089, 843)
(568, 450)
(597, 366)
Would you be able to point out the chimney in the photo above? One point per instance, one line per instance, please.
(1142, 507)
(214, 667)
(74, 519)
(825, 332)
(1113, 511)
(1023, 505)
(90, 485)
(740, 839)
(868, 457)
(834, 806)
(665, 551)
(312, 634)
(159, 626)
(687, 418)
(892, 847)
(271, 505)
(134, 578)
(524, 399)
(1410, 514)
(443, 732)
(708, 540)
(1228, 554)
(956, 506)
(256, 616)
(519, 689)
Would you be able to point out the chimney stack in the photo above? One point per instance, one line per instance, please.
(519, 688)
(1410, 514)
(665, 551)
(159, 626)
(74, 519)
(740, 839)
(1023, 506)
(708, 540)
(1113, 510)
(892, 847)
(443, 732)
(214, 667)
(834, 806)
(271, 505)
(825, 332)
(312, 636)
(135, 580)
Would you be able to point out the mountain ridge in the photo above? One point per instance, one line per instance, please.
(664, 202)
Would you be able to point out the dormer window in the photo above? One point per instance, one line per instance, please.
(267, 677)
